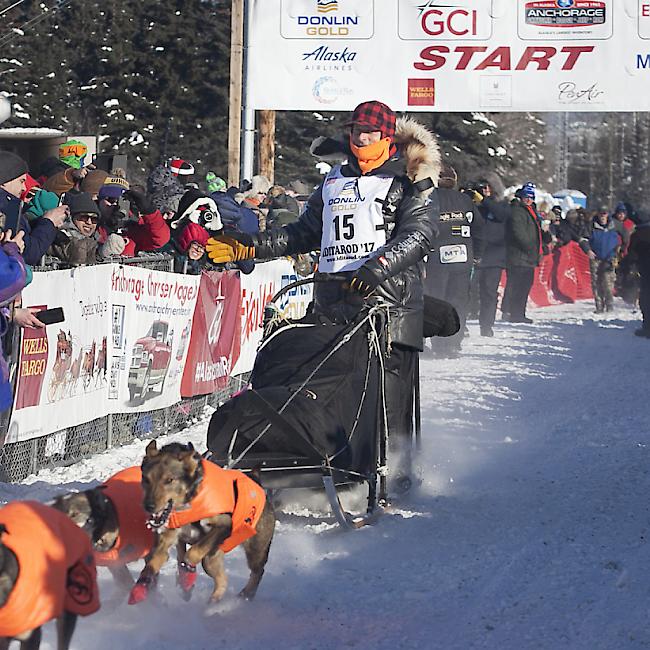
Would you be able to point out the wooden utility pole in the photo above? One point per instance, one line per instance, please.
(236, 79)
(267, 144)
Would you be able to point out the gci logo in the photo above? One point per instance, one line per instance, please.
(462, 19)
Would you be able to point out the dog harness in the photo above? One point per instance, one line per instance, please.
(56, 568)
(134, 539)
(224, 491)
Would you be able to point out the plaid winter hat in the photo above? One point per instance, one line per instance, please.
(375, 116)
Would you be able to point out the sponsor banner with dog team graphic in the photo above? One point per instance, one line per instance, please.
(62, 370)
(450, 55)
(151, 315)
(136, 340)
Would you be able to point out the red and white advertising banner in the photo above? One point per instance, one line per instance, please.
(257, 289)
(150, 323)
(62, 372)
(215, 341)
(136, 340)
(450, 55)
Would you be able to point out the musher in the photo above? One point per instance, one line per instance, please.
(373, 218)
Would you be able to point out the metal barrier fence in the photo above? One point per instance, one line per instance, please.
(20, 459)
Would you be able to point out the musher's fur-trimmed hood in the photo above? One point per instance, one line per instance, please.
(417, 148)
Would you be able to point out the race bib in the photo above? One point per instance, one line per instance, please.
(353, 220)
(453, 254)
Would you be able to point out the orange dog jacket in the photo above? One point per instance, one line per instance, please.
(224, 491)
(134, 540)
(56, 568)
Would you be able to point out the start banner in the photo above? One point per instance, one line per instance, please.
(450, 55)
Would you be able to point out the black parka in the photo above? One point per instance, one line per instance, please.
(411, 215)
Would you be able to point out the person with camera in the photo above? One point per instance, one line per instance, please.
(373, 219)
(449, 264)
(77, 242)
(38, 235)
(489, 251)
(143, 230)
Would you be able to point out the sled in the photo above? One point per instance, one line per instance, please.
(314, 414)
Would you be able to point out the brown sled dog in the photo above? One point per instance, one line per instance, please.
(113, 517)
(213, 510)
(47, 571)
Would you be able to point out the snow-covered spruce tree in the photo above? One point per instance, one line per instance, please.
(131, 72)
(471, 143)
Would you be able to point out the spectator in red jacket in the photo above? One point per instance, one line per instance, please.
(145, 230)
(148, 232)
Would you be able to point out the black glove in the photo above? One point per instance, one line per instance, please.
(140, 200)
(368, 277)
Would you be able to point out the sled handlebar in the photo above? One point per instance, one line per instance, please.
(314, 279)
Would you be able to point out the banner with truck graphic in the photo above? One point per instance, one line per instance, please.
(136, 340)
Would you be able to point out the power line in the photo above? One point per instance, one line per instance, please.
(18, 31)
(10, 7)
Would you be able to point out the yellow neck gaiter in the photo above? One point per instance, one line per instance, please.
(373, 155)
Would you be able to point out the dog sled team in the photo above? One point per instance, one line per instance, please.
(325, 394)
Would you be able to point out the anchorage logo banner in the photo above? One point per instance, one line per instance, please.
(469, 20)
(565, 19)
(325, 19)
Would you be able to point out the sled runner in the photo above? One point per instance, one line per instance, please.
(315, 414)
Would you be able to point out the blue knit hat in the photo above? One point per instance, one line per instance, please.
(527, 191)
(620, 207)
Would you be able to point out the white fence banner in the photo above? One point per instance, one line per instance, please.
(257, 289)
(62, 374)
(124, 342)
(450, 55)
(151, 320)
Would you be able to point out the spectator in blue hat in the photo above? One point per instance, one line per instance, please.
(523, 253)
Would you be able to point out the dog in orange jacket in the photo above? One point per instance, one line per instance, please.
(213, 510)
(47, 572)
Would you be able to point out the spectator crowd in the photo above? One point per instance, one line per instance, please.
(79, 215)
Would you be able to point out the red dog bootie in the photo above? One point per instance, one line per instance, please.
(140, 590)
(186, 576)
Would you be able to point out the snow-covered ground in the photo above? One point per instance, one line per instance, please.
(530, 529)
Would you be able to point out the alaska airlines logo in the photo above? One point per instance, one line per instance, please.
(326, 6)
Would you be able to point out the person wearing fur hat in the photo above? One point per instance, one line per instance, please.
(378, 242)
(39, 235)
(449, 266)
(604, 246)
